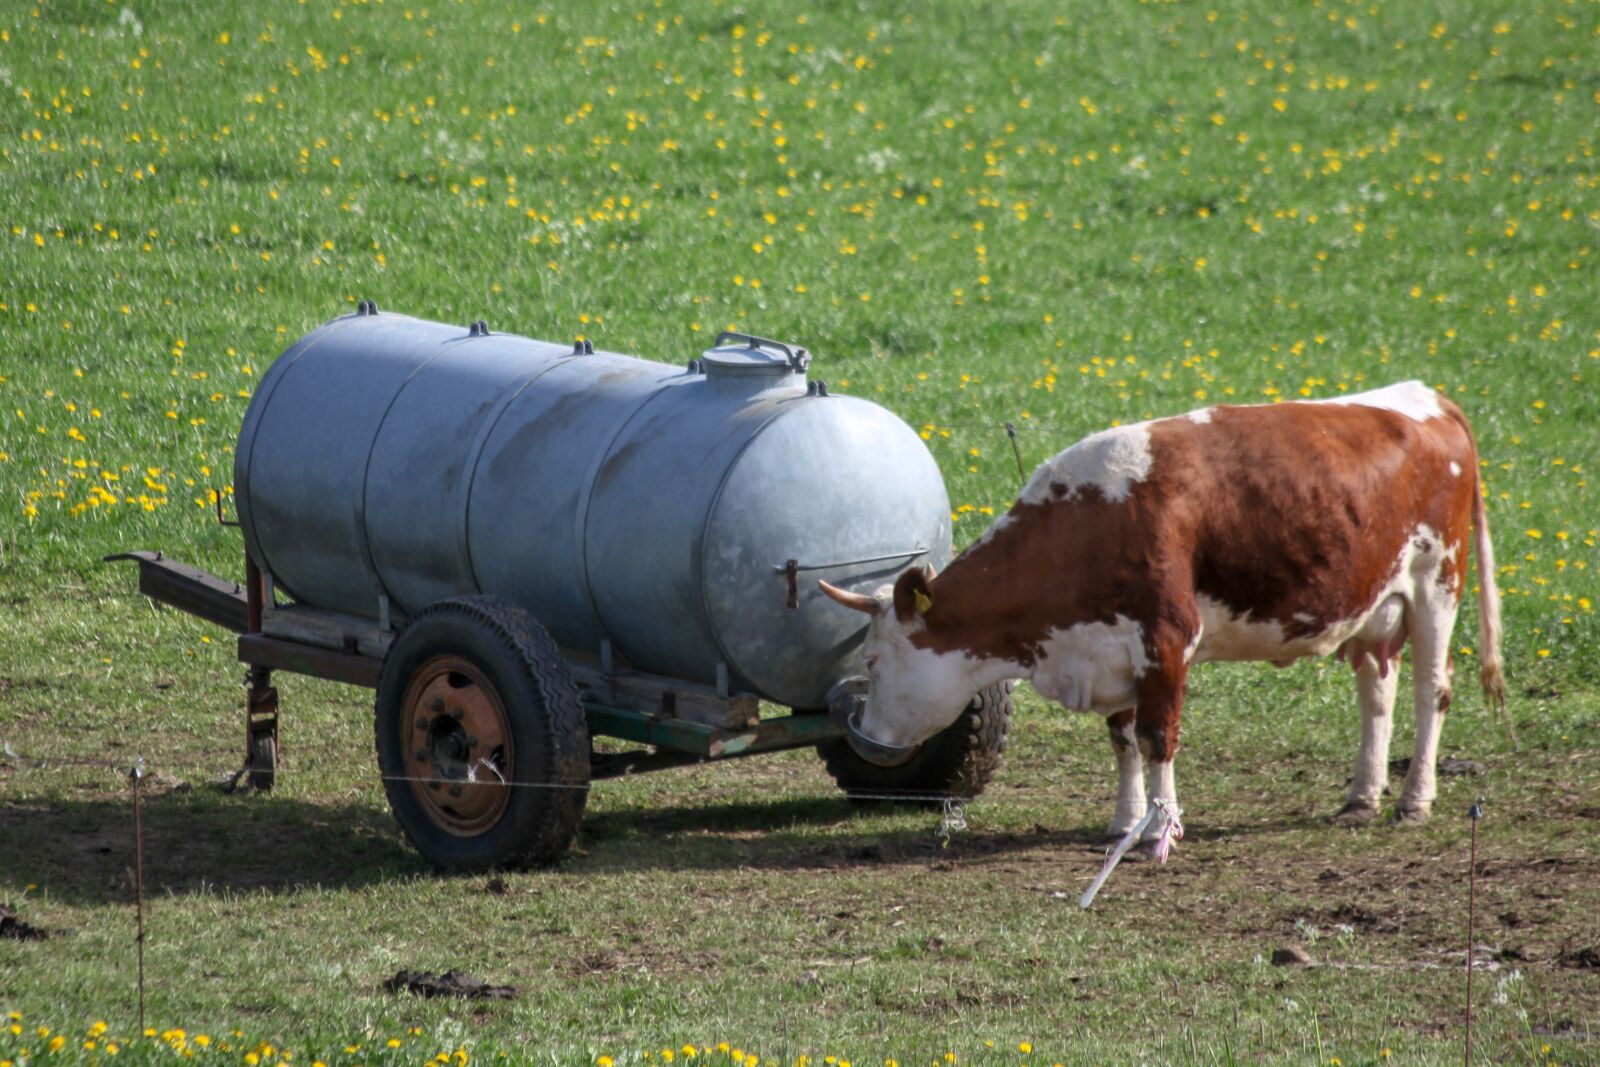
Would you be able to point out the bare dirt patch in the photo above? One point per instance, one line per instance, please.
(448, 984)
(14, 928)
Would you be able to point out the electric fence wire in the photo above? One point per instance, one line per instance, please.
(20, 765)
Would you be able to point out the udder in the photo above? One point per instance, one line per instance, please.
(1382, 635)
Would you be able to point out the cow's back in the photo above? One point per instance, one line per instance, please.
(1299, 513)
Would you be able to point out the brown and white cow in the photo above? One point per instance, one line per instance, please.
(1266, 532)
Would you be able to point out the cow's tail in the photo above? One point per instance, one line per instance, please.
(1491, 672)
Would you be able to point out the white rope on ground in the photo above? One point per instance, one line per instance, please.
(1170, 832)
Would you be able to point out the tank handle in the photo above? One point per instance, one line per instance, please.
(799, 359)
(791, 569)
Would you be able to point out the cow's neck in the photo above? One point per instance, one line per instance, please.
(996, 601)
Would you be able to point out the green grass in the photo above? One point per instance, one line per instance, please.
(1016, 212)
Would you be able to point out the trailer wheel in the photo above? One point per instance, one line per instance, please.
(482, 741)
(957, 761)
(263, 761)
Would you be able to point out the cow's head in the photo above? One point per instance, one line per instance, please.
(915, 692)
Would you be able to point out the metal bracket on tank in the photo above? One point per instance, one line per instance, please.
(608, 657)
(478, 329)
(817, 388)
(791, 569)
(724, 685)
(583, 348)
(385, 623)
(367, 307)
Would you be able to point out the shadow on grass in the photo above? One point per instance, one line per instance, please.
(81, 851)
(832, 834)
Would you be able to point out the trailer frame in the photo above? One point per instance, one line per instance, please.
(678, 722)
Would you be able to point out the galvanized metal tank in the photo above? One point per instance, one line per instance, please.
(682, 515)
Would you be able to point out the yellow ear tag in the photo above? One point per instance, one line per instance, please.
(924, 603)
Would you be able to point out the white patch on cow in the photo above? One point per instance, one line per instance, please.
(1112, 461)
(1226, 636)
(1200, 417)
(1092, 666)
(916, 692)
(1193, 646)
(1411, 399)
(1130, 784)
(1163, 786)
(1455, 469)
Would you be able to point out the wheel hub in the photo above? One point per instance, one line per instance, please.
(457, 744)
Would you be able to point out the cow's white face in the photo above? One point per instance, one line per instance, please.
(915, 692)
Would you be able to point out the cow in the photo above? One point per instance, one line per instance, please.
(1251, 532)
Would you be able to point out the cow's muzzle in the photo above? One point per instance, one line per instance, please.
(846, 701)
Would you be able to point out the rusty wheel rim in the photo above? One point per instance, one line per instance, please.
(456, 737)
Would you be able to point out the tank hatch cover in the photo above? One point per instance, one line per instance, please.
(738, 354)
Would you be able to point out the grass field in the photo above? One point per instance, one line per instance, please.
(972, 214)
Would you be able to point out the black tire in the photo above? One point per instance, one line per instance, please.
(517, 688)
(957, 761)
(263, 761)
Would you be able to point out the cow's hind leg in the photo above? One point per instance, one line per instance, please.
(1130, 777)
(1433, 616)
(1376, 682)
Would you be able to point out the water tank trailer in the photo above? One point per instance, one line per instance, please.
(523, 546)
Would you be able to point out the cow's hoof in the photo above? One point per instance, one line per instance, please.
(1147, 850)
(1411, 816)
(1356, 814)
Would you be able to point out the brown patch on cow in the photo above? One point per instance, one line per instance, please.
(1160, 694)
(907, 587)
(1444, 701)
(1118, 724)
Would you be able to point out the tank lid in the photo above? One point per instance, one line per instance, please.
(742, 354)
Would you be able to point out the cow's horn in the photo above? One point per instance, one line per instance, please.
(858, 601)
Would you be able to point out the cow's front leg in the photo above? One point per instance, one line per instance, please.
(1130, 776)
(1156, 727)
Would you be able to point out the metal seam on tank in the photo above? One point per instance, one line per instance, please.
(593, 475)
(264, 400)
(472, 462)
(699, 576)
(366, 471)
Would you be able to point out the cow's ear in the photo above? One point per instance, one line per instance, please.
(912, 595)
